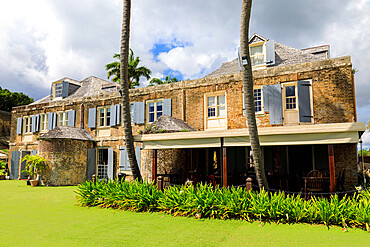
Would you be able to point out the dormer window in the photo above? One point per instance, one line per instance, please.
(257, 53)
(58, 90)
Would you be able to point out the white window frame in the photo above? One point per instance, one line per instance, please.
(261, 99)
(62, 118)
(217, 106)
(155, 112)
(43, 122)
(289, 84)
(27, 125)
(263, 63)
(58, 92)
(105, 110)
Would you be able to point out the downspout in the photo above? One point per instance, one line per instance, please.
(81, 119)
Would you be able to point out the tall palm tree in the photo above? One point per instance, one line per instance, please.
(134, 72)
(249, 96)
(124, 81)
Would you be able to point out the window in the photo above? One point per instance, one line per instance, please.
(155, 110)
(257, 53)
(58, 88)
(216, 106)
(258, 100)
(102, 164)
(215, 111)
(62, 119)
(104, 116)
(290, 97)
(44, 122)
(27, 125)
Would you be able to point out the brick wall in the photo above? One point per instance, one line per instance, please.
(332, 87)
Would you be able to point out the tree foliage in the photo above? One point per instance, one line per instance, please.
(166, 80)
(134, 72)
(10, 99)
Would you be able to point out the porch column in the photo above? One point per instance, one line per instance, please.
(331, 167)
(224, 163)
(154, 165)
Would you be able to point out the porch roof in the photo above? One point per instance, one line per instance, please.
(334, 133)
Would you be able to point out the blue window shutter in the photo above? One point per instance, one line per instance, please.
(52, 90)
(91, 163)
(138, 155)
(65, 89)
(110, 163)
(92, 118)
(19, 125)
(270, 52)
(54, 120)
(33, 123)
(37, 122)
(124, 165)
(267, 97)
(304, 101)
(273, 103)
(118, 114)
(139, 112)
(34, 152)
(167, 107)
(132, 112)
(14, 165)
(113, 115)
(50, 120)
(71, 118)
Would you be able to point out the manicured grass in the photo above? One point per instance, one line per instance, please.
(48, 216)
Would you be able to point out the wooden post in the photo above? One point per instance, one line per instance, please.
(224, 163)
(248, 184)
(154, 165)
(160, 182)
(331, 167)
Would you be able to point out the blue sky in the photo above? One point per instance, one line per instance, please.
(43, 41)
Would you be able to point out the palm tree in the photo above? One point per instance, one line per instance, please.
(248, 95)
(167, 79)
(125, 82)
(134, 72)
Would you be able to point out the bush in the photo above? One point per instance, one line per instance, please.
(204, 201)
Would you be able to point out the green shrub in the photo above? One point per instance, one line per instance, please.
(204, 201)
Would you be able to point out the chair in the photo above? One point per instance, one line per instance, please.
(314, 182)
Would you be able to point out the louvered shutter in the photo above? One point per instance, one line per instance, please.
(54, 120)
(65, 89)
(138, 155)
(167, 107)
(92, 118)
(118, 114)
(273, 103)
(113, 115)
(33, 123)
(270, 52)
(123, 164)
(37, 124)
(19, 125)
(110, 163)
(34, 152)
(71, 118)
(50, 120)
(14, 165)
(139, 112)
(304, 101)
(91, 163)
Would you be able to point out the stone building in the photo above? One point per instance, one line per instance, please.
(305, 108)
(4, 129)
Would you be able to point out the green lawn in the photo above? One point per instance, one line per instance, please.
(48, 216)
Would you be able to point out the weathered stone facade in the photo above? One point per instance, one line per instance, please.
(67, 161)
(333, 101)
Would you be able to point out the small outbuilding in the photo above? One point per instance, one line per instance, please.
(66, 150)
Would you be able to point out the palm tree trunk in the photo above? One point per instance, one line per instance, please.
(129, 140)
(249, 96)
